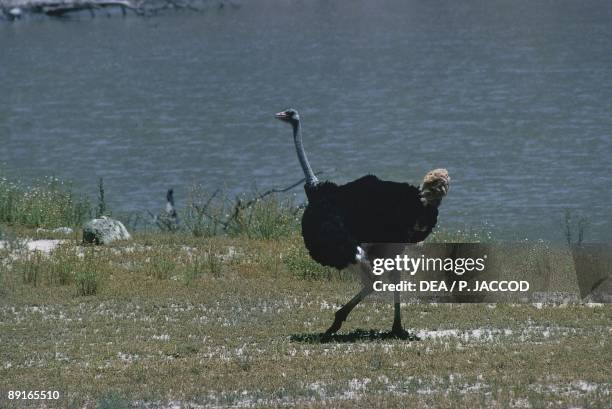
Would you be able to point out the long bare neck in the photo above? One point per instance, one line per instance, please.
(311, 179)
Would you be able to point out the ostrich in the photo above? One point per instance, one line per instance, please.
(168, 220)
(350, 225)
(170, 210)
(171, 215)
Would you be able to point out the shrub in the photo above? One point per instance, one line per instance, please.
(87, 282)
(49, 203)
(64, 261)
(269, 218)
(88, 274)
(261, 216)
(31, 267)
(205, 213)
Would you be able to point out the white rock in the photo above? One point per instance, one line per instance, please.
(104, 231)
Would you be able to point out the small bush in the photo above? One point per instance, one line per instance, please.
(270, 218)
(63, 266)
(88, 274)
(64, 261)
(206, 213)
(87, 282)
(31, 267)
(261, 216)
(49, 203)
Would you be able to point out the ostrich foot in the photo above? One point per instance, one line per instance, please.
(400, 333)
(335, 327)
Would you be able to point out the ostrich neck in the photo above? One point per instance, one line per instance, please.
(311, 179)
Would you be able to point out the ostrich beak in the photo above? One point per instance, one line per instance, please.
(281, 115)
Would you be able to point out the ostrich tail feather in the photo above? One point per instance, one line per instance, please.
(436, 184)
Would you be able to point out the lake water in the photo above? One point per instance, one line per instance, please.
(514, 98)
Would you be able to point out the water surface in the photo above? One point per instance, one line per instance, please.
(513, 97)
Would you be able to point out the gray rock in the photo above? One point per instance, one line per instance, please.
(14, 13)
(104, 231)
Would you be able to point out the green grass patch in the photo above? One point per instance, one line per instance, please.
(48, 203)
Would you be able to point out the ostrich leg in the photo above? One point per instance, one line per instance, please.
(343, 312)
(364, 269)
(397, 329)
(391, 250)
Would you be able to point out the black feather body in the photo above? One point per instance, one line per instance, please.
(339, 218)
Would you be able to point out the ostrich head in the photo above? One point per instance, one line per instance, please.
(436, 184)
(289, 115)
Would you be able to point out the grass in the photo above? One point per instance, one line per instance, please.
(228, 311)
(298, 261)
(233, 321)
(49, 203)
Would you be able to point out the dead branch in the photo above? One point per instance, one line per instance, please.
(240, 206)
(13, 9)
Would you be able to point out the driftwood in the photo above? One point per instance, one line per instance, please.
(61, 9)
(14, 9)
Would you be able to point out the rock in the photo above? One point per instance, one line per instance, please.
(104, 231)
(14, 13)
